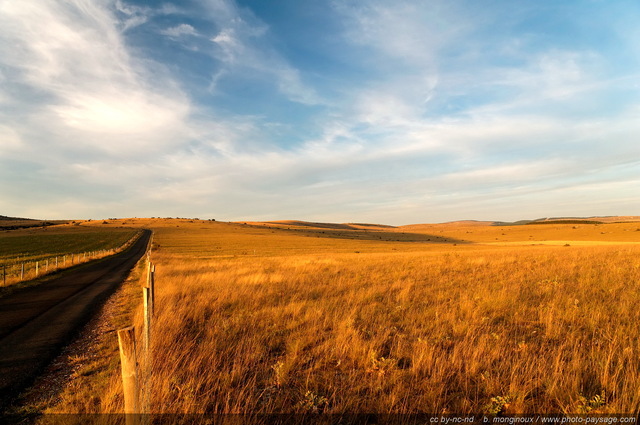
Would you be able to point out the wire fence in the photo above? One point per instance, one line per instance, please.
(135, 357)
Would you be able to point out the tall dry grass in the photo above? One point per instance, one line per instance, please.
(524, 329)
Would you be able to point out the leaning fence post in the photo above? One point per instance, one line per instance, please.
(129, 366)
(146, 297)
(153, 288)
(148, 301)
(151, 271)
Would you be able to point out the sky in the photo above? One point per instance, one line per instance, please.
(394, 112)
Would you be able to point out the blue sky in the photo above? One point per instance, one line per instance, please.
(393, 112)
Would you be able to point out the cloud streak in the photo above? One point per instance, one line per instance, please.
(80, 82)
(242, 45)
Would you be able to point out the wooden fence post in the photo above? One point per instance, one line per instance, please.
(22, 272)
(151, 270)
(146, 300)
(147, 296)
(153, 288)
(37, 268)
(129, 366)
(4, 275)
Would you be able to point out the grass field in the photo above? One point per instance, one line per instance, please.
(55, 245)
(290, 317)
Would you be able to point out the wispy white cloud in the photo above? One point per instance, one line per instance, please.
(242, 44)
(408, 32)
(10, 140)
(85, 86)
(180, 30)
(133, 16)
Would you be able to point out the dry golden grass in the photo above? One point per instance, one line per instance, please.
(399, 334)
(261, 318)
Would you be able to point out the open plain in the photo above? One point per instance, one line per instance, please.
(445, 318)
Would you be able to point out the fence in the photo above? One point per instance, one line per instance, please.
(17, 270)
(136, 361)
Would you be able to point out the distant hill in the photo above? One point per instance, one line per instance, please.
(332, 226)
(424, 226)
(373, 226)
(13, 223)
(451, 224)
(572, 220)
(5, 218)
(469, 223)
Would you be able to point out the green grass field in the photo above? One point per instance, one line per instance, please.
(54, 248)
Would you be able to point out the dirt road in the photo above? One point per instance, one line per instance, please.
(36, 322)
